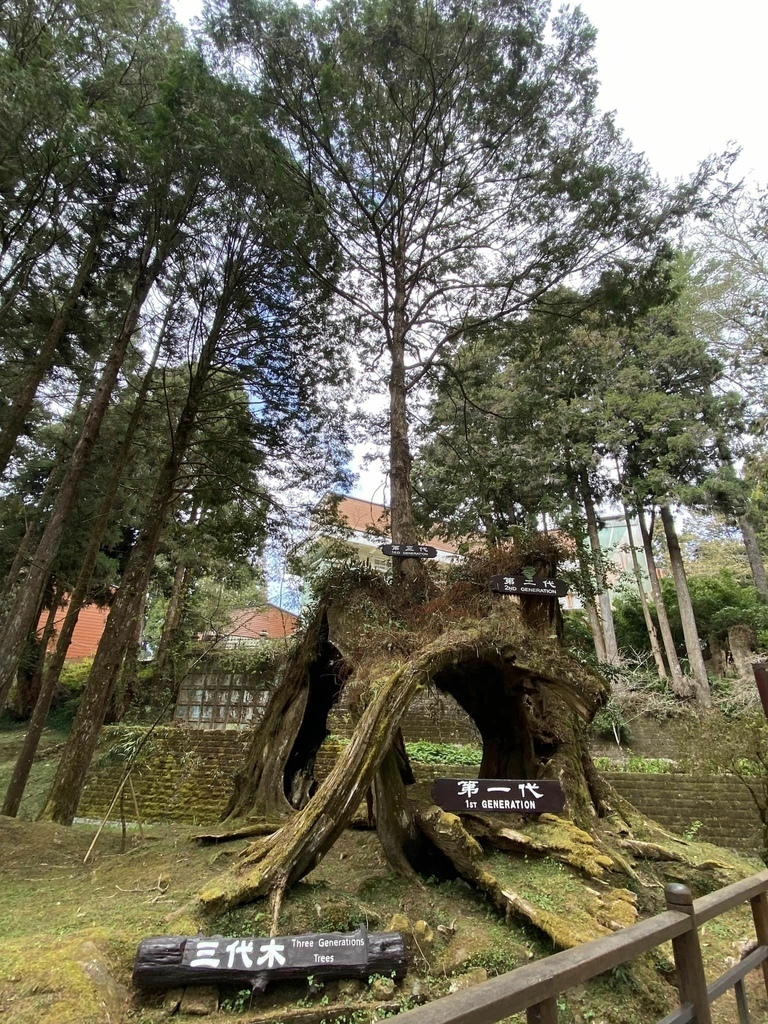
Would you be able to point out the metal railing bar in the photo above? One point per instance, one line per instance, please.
(716, 903)
(735, 974)
(682, 1015)
(535, 982)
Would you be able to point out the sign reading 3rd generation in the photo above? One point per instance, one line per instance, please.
(513, 796)
(408, 550)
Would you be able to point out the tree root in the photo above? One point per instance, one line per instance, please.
(549, 836)
(603, 913)
(259, 828)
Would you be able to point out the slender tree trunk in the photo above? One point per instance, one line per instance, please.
(588, 584)
(596, 628)
(402, 520)
(171, 621)
(28, 689)
(125, 691)
(22, 614)
(41, 364)
(83, 738)
(679, 684)
(34, 522)
(603, 595)
(687, 618)
(649, 623)
(56, 661)
(754, 555)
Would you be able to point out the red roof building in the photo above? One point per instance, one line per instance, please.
(87, 634)
(268, 622)
(369, 523)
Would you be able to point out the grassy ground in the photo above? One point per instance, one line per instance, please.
(69, 930)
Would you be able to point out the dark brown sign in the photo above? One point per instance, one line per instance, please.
(172, 961)
(511, 796)
(285, 951)
(520, 586)
(408, 550)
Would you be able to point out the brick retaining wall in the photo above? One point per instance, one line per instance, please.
(186, 776)
(723, 805)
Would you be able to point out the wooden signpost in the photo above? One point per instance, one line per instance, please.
(521, 586)
(408, 550)
(510, 796)
(175, 961)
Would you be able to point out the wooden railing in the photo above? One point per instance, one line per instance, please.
(536, 986)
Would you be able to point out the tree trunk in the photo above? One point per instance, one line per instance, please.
(396, 827)
(403, 524)
(42, 362)
(741, 641)
(125, 690)
(687, 618)
(56, 661)
(21, 617)
(34, 525)
(83, 738)
(715, 663)
(28, 689)
(680, 686)
(649, 623)
(754, 555)
(483, 662)
(603, 594)
(170, 623)
(51, 674)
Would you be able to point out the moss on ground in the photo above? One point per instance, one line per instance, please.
(57, 914)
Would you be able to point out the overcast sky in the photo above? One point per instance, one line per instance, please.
(685, 77)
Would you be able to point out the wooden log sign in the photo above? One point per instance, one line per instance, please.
(408, 550)
(173, 961)
(520, 586)
(510, 796)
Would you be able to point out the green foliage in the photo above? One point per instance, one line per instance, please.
(444, 753)
(74, 674)
(720, 601)
(238, 1003)
(636, 763)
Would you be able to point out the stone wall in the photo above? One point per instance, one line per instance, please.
(723, 806)
(182, 775)
(186, 775)
(432, 716)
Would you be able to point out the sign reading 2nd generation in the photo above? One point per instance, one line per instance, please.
(513, 796)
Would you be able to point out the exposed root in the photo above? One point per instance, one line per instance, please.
(259, 828)
(650, 851)
(275, 903)
(550, 836)
(601, 914)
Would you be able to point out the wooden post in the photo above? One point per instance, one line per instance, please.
(689, 966)
(759, 906)
(544, 1012)
(741, 1002)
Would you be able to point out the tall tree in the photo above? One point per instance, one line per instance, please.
(255, 316)
(462, 163)
(170, 179)
(80, 78)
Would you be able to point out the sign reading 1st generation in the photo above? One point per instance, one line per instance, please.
(513, 796)
(287, 951)
(408, 550)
